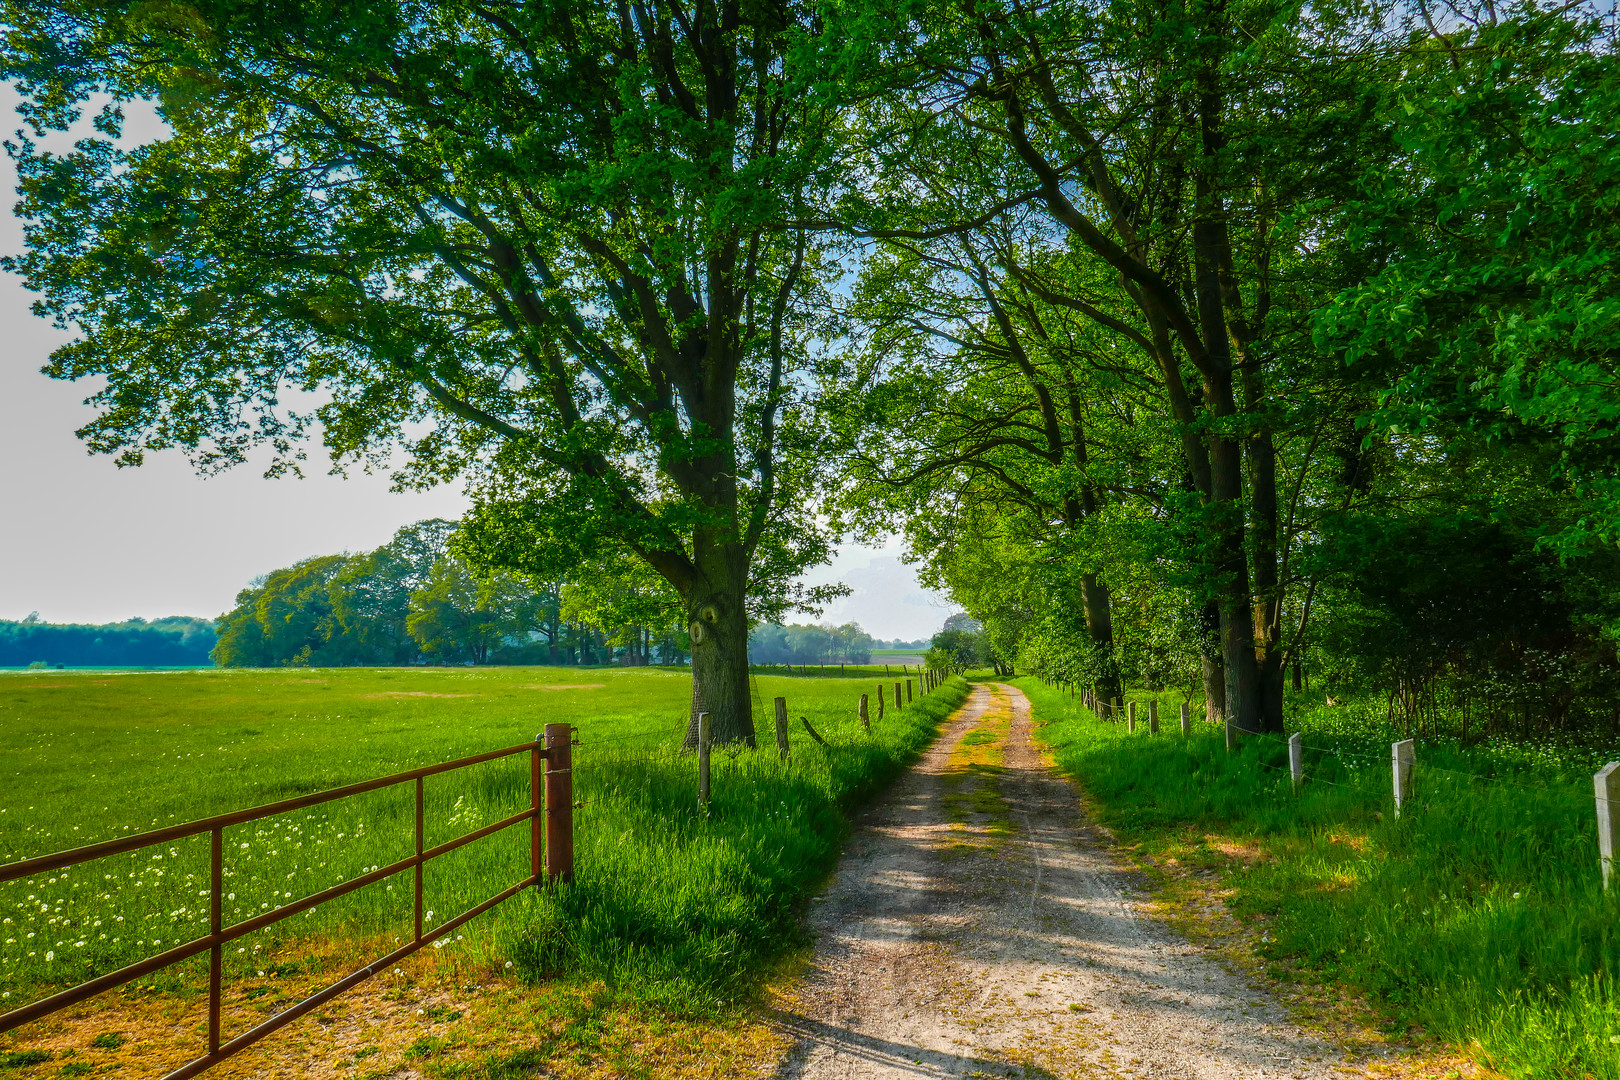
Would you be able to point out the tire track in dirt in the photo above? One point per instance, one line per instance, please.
(978, 927)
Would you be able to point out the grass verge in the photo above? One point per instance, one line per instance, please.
(1476, 918)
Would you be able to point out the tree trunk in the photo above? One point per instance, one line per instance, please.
(1264, 540)
(1231, 569)
(1214, 689)
(1209, 655)
(717, 615)
(1100, 627)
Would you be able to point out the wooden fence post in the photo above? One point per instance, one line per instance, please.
(908, 691)
(1402, 756)
(537, 827)
(866, 721)
(1231, 737)
(1130, 718)
(897, 703)
(1113, 709)
(1296, 760)
(781, 728)
(1607, 786)
(880, 701)
(1153, 717)
(559, 802)
(1186, 719)
(704, 746)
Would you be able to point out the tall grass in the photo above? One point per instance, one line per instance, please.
(672, 902)
(1477, 915)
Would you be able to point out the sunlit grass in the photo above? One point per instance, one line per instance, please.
(1478, 915)
(681, 903)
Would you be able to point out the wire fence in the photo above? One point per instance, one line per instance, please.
(1602, 800)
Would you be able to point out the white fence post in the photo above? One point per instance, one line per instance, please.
(1402, 754)
(1186, 719)
(1607, 786)
(1296, 760)
(1130, 717)
(1153, 717)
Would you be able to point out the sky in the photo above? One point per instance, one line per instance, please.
(82, 540)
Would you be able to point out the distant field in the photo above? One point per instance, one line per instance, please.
(663, 894)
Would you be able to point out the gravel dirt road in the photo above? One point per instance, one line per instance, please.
(978, 927)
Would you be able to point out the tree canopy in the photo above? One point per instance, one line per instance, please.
(1187, 344)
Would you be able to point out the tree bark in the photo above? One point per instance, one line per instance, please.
(720, 678)
(717, 613)
(1100, 628)
(1214, 672)
(1267, 614)
(1211, 252)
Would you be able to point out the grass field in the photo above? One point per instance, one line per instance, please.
(1477, 916)
(668, 902)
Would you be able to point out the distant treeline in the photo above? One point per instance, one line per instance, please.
(177, 641)
(415, 601)
(797, 643)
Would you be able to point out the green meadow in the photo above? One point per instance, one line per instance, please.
(1477, 916)
(670, 901)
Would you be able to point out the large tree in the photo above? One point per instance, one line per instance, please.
(533, 244)
(1182, 150)
(992, 403)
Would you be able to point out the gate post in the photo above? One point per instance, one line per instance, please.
(537, 824)
(559, 802)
